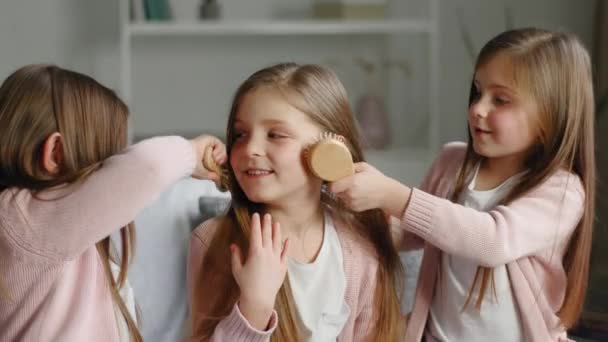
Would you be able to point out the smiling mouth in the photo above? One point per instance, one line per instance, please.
(258, 173)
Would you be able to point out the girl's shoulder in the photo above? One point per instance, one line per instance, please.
(444, 169)
(451, 155)
(562, 185)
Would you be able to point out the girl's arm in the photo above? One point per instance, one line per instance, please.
(543, 219)
(63, 222)
(368, 188)
(234, 327)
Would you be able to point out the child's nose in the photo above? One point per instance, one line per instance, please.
(479, 110)
(254, 147)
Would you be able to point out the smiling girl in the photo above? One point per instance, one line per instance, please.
(337, 277)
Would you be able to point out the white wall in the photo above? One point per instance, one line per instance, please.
(485, 19)
(76, 34)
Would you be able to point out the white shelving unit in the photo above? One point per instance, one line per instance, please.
(279, 27)
(403, 162)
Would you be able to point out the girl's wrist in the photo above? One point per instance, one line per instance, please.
(257, 313)
(397, 198)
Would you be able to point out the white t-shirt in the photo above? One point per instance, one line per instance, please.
(318, 289)
(498, 319)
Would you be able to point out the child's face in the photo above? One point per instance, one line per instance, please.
(503, 119)
(266, 156)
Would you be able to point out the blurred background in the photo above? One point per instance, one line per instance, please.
(407, 66)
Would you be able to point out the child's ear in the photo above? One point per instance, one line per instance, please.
(52, 154)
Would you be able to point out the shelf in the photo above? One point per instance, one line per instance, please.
(308, 39)
(278, 27)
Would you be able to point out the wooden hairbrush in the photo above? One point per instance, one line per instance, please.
(328, 157)
(210, 164)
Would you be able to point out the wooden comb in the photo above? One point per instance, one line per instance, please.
(328, 158)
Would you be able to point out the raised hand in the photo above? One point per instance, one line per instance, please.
(369, 188)
(261, 274)
(200, 144)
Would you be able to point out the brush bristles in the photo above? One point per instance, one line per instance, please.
(330, 135)
(323, 137)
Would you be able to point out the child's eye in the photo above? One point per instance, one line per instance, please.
(275, 135)
(499, 100)
(238, 135)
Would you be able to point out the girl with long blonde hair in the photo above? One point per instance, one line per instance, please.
(505, 220)
(66, 184)
(337, 274)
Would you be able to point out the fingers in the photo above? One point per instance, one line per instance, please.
(256, 233)
(267, 231)
(211, 140)
(219, 153)
(360, 167)
(341, 185)
(214, 177)
(218, 148)
(266, 234)
(277, 240)
(237, 259)
(346, 183)
(262, 232)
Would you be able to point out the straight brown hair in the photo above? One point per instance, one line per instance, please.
(39, 100)
(555, 69)
(317, 92)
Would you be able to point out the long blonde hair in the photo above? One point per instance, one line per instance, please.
(317, 92)
(35, 102)
(555, 69)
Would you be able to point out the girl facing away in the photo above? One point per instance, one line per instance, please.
(65, 185)
(342, 268)
(505, 220)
